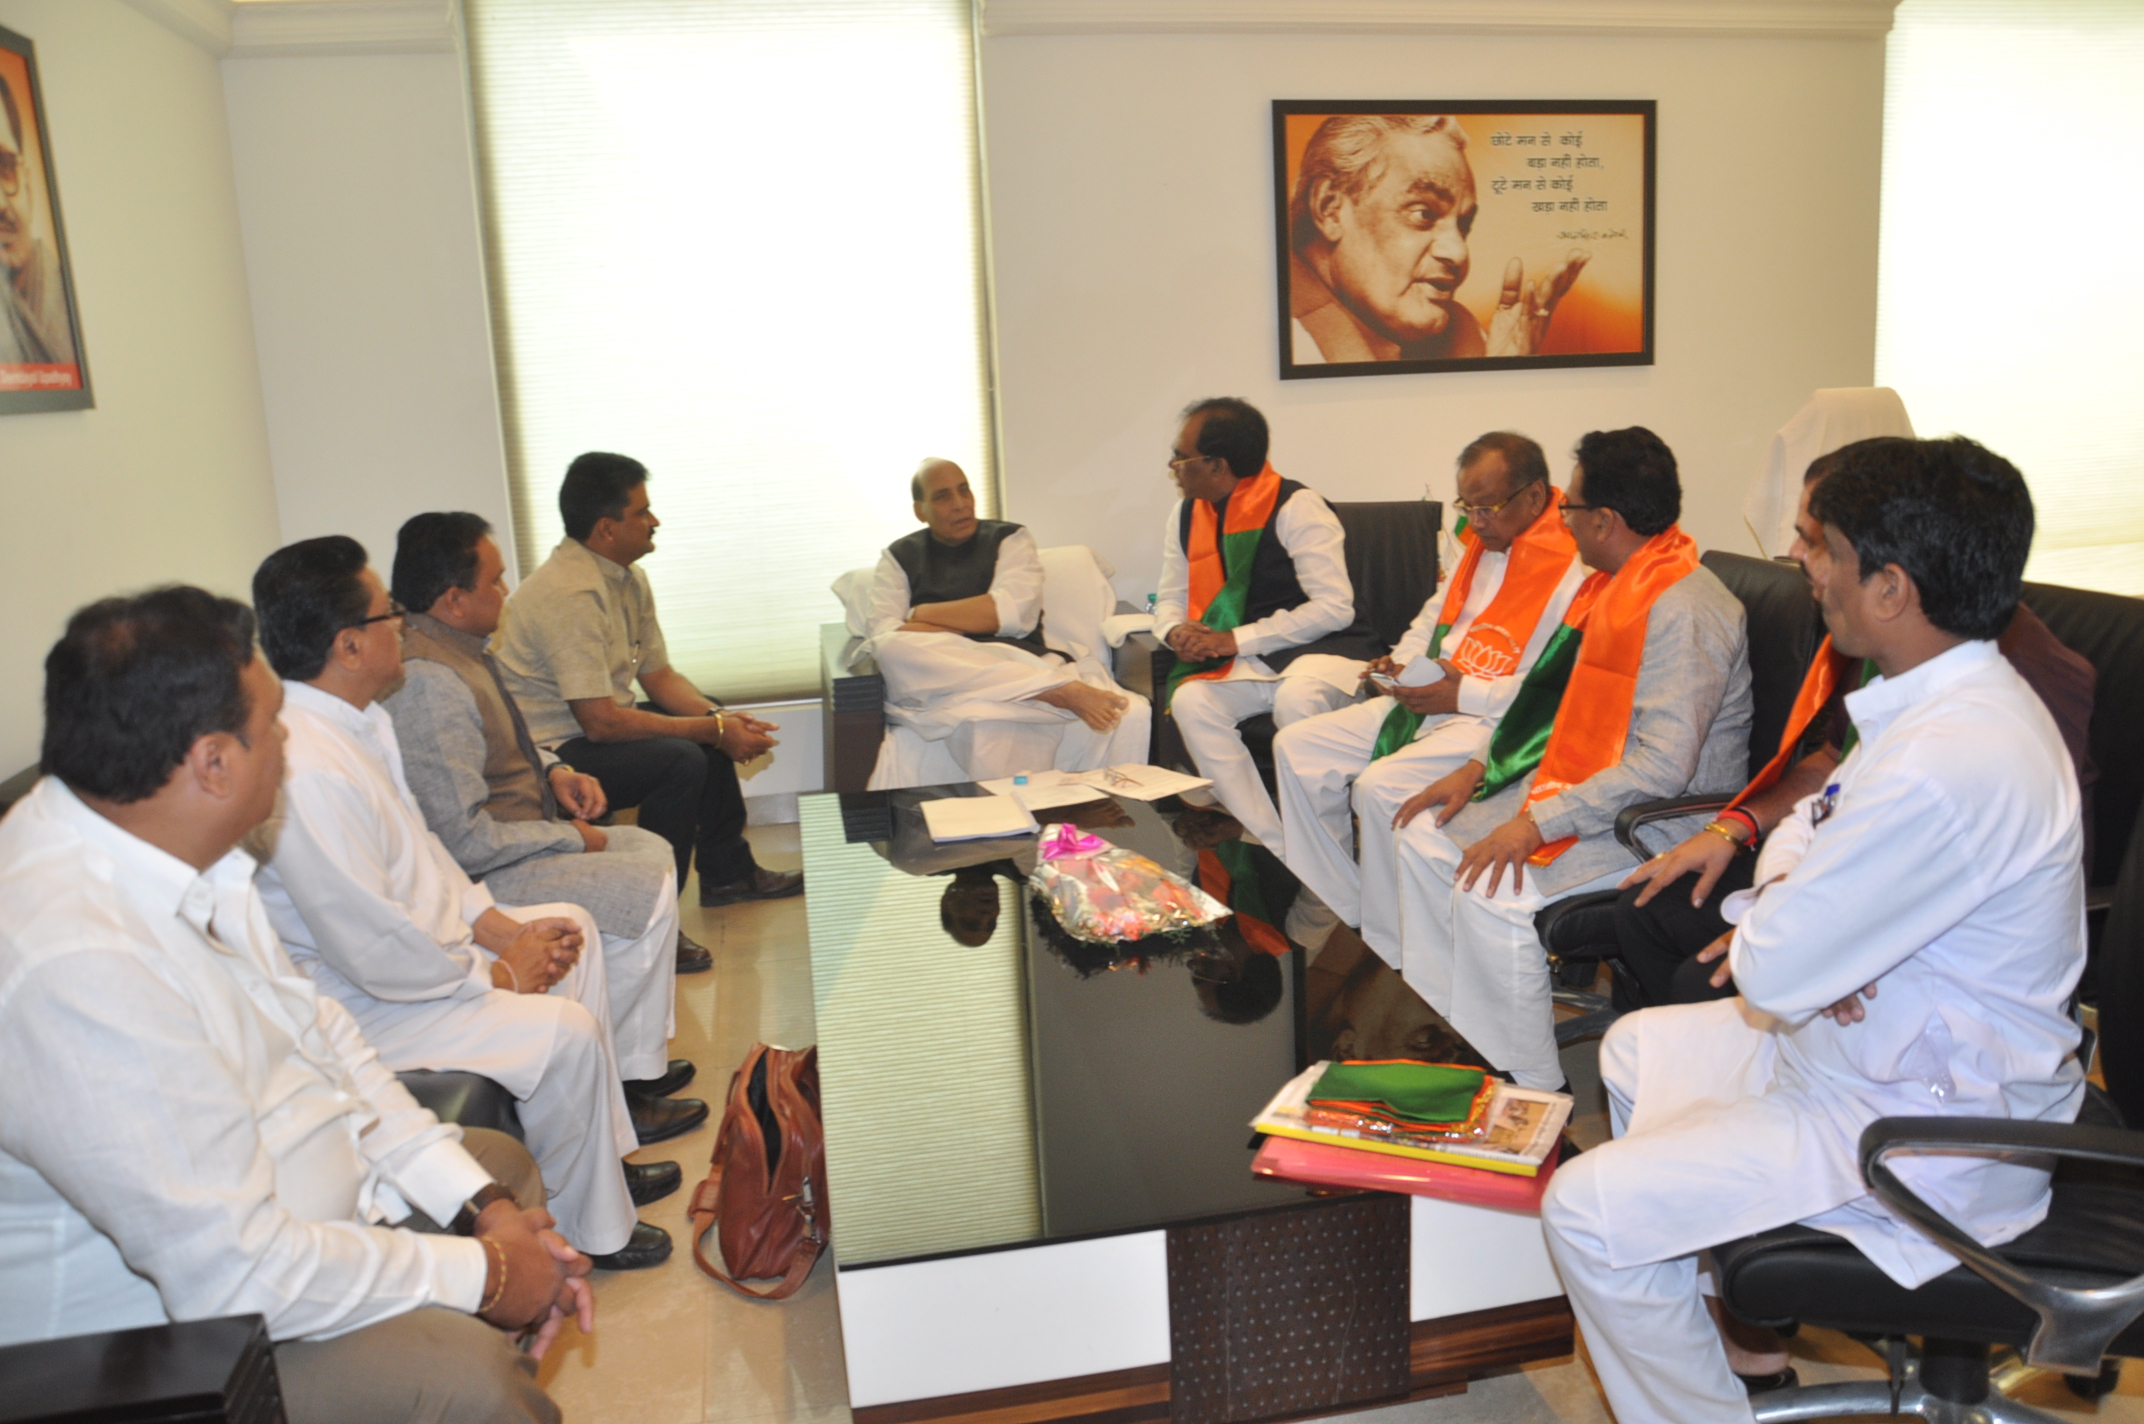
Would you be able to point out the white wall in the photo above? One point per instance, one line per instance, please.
(1130, 204)
(168, 477)
(364, 252)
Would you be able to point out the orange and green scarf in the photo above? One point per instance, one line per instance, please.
(1818, 684)
(1496, 641)
(1220, 566)
(1572, 714)
(1228, 873)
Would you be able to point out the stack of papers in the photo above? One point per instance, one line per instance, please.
(1044, 789)
(975, 818)
(1521, 1128)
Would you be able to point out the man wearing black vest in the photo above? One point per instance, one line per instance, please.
(1255, 600)
(956, 627)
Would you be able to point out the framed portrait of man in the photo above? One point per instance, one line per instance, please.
(1449, 235)
(41, 362)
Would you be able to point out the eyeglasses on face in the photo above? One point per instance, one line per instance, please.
(1182, 460)
(1476, 513)
(394, 610)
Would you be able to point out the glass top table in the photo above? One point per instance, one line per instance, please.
(989, 1083)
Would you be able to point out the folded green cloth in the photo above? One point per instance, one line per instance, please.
(1408, 1092)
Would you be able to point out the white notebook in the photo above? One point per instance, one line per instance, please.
(975, 818)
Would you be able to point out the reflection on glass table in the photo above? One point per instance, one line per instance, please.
(992, 1081)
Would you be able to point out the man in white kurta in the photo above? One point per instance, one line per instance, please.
(373, 907)
(193, 1130)
(956, 629)
(1916, 932)
(1324, 768)
(1297, 652)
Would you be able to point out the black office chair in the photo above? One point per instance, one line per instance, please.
(1392, 562)
(2067, 1294)
(1784, 629)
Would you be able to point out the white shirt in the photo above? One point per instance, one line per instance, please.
(191, 1130)
(1947, 873)
(1488, 697)
(364, 895)
(1311, 533)
(1015, 586)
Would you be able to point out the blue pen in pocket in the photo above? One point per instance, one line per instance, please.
(1825, 805)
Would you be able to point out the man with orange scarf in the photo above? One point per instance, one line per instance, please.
(1485, 630)
(1255, 600)
(1644, 693)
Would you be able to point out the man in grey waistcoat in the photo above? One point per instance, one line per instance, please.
(514, 817)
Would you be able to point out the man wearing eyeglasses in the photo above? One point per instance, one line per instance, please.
(1644, 693)
(1255, 600)
(1482, 633)
(33, 309)
(437, 974)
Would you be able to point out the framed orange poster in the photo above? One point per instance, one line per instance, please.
(41, 363)
(1443, 235)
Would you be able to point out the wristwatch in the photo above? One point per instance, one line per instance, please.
(465, 1220)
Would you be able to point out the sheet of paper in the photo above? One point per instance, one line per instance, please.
(1421, 672)
(1044, 789)
(975, 818)
(1142, 783)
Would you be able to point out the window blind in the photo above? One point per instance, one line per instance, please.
(2008, 309)
(740, 241)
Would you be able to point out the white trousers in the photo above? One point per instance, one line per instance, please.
(642, 976)
(554, 1053)
(1321, 766)
(1207, 711)
(1652, 1341)
(1476, 958)
(973, 702)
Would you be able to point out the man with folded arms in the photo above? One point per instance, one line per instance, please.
(1643, 693)
(576, 636)
(1485, 631)
(1255, 601)
(192, 1130)
(956, 629)
(1669, 914)
(438, 974)
(499, 808)
(1916, 933)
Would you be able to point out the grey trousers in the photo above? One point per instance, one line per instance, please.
(431, 1366)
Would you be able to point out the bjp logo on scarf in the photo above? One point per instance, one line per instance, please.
(1489, 651)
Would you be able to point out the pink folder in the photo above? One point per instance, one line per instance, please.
(1320, 1165)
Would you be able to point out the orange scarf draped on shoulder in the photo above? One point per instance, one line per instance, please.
(1593, 721)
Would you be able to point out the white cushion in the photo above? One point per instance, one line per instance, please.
(854, 590)
(1076, 595)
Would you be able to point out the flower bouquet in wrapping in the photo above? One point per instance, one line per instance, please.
(1101, 893)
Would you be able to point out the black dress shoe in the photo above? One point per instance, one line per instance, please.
(693, 957)
(648, 1246)
(676, 1076)
(761, 884)
(652, 1181)
(1764, 1384)
(660, 1119)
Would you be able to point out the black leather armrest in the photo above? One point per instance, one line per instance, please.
(2076, 1326)
(1139, 664)
(1632, 819)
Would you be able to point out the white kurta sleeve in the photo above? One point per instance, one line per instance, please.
(1172, 596)
(1311, 533)
(889, 598)
(420, 1156)
(1895, 851)
(159, 1150)
(333, 867)
(1415, 641)
(1016, 585)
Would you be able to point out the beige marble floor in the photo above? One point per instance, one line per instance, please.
(673, 1347)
